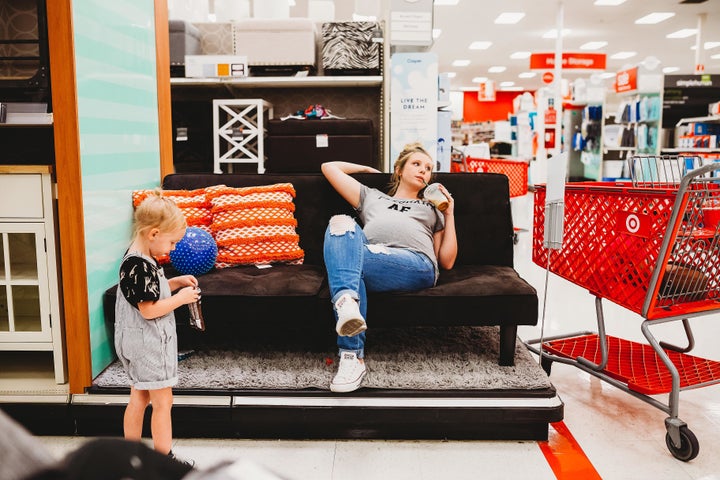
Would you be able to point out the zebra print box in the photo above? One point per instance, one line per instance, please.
(349, 48)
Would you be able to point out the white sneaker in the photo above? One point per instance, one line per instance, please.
(350, 374)
(350, 321)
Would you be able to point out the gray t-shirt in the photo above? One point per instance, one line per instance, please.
(399, 223)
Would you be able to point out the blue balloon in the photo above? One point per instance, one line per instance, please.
(195, 253)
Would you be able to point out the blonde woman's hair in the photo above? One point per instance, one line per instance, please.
(402, 159)
(157, 211)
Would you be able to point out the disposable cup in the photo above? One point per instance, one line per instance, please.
(434, 195)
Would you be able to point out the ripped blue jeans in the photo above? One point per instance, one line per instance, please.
(355, 267)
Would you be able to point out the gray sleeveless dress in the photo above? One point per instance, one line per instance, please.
(147, 349)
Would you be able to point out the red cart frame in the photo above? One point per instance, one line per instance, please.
(515, 170)
(652, 246)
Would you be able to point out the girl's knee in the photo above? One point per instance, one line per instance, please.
(341, 224)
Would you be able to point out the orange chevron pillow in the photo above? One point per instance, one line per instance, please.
(255, 225)
(194, 204)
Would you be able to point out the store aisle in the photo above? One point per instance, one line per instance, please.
(617, 436)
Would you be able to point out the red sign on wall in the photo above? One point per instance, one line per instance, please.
(626, 80)
(548, 77)
(586, 61)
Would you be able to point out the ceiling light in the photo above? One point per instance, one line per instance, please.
(716, 56)
(291, 3)
(609, 3)
(446, 2)
(520, 55)
(509, 18)
(479, 79)
(622, 55)
(655, 17)
(670, 69)
(451, 74)
(507, 84)
(607, 75)
(480, 45)
(497, 69)
(684, 33)
(593, 45)
(527, 75)
(711, 45)
(436, 32)
(553, 33)
(461, 63)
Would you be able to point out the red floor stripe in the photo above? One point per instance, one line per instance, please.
(564, 455)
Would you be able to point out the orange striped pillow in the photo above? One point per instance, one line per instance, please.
(194, 204)
(255, 225)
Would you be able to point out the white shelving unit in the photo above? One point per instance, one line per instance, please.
(239, 132)
(356, 96)
(29, 301)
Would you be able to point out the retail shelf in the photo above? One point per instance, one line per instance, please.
(282, 82)
(691, 150)
(711, 118)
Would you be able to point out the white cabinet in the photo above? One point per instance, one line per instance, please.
(29, 301)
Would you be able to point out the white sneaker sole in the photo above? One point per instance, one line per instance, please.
(351, 327)
(348, 387)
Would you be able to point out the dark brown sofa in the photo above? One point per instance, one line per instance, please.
(482, 289)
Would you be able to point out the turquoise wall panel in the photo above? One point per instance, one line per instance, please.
(119, 138)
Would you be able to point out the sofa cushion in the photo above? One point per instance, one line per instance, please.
(497, 293)
(194, 204)
(255, 225)
(278, 280)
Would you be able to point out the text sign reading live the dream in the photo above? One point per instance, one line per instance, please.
(585, 61)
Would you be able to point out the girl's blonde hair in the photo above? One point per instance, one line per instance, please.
(157, 211)
(402, 159)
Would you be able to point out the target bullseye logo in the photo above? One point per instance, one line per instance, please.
(632, 223)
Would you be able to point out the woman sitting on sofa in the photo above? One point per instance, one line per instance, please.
(403, 243)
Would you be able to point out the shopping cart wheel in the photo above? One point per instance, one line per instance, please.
(689, 446)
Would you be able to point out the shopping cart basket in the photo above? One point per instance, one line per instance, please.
(515, 170)
(650, 245)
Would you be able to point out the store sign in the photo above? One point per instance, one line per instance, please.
(691, 81)
(486, 91)
(548, 77)
(413, 101)
(584, 61)
(626, 80)
(411, 22)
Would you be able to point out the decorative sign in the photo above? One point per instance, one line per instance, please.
(411, 22)
(548, 77)
(584, 61)
(626, 80)
(413, 101)
(486, 91)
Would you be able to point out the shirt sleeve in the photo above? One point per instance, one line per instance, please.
(139, 281)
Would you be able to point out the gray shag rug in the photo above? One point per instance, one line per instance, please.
(423, 358)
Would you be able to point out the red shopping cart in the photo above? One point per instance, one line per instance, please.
(650, 245)
(515, 170)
